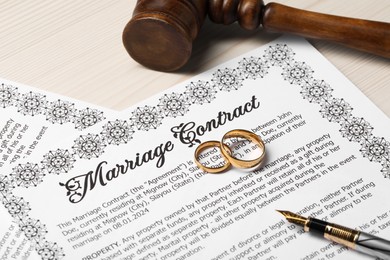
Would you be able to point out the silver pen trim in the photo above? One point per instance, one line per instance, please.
(357, 240)
(373, 245)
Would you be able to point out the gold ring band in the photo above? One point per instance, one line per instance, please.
(209, 144)
(243, 164)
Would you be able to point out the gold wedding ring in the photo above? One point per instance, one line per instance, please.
(210, 144)
(243, 164)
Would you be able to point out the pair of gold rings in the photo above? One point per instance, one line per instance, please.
(227, 154)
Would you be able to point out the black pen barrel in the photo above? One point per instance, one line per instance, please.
(352, 238)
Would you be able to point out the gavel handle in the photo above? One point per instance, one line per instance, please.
(364, 35)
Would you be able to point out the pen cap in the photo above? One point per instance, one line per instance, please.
(160, 33)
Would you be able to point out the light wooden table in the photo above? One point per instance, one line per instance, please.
(75, 48)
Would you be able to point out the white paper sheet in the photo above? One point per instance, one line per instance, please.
(139, 195)
(33, 120)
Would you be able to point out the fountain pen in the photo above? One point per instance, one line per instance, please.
(354, 239)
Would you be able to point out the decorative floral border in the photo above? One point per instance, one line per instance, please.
(56, 111)
(31, 174)
(336, 110)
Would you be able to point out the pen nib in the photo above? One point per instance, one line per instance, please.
(293, 218)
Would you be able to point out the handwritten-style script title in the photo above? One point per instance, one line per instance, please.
(78, 186)
(188, 133)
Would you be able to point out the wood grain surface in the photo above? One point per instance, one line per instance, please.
(74, 48)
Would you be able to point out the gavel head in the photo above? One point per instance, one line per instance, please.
(160, 33)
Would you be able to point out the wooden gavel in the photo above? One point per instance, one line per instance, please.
(160, 33)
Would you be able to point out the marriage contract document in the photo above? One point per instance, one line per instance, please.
(31, 121)
(134, 191)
